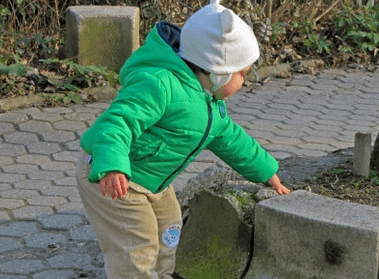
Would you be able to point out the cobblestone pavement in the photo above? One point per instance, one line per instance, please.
(43, 230)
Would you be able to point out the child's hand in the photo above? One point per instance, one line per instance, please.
(116, 183)
(275, 183)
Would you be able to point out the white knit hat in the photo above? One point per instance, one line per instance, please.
(217, 40)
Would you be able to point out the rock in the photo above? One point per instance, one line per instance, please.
(265, 193)
(213, 176)
(216, 238)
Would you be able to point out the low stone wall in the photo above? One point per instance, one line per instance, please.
(237, 229)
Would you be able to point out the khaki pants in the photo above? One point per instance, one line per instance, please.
(139, 235)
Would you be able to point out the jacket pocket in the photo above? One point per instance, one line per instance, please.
(143, 153)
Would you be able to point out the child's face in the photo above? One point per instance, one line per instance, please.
(233, 86)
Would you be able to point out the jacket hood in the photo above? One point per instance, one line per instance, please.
(160, 50)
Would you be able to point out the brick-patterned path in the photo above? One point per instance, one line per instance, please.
(43, 231)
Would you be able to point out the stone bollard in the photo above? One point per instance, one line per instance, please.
(362, 153)
(216, 238)
(101, 35)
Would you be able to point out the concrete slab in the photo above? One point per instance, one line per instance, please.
(101, 35)
(306, 236)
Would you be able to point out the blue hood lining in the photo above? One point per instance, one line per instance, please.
(170, 33)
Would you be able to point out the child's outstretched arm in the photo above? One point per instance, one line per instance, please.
(275, 183)
(116, 183)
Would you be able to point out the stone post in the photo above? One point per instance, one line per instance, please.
(101, 35)
(362, 152)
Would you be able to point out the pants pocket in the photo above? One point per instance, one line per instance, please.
(82, 167)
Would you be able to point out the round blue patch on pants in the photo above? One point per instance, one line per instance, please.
(171, 235)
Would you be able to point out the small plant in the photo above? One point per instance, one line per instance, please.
(70, 97)
(359, 29)
(337, 171)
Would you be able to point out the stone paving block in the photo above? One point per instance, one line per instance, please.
(58, 110)
(71, 208)
(74, 198)
(285, 140)
(19, 194)
(55, 274)
(42, 240)
(4, 217)
(197, 167)
(8, 244)
(59, 191)
(324, 140)
(66, 181)
(80, 116)
(316, 146)
(304, 235)
(70, 156)
(58, 136)
(82, 233)
(31, 212)
(32, 184)
(43, 147)
(46, 200)
(4, 187)
(32, 159)
(34, 126)
(69, 260)
(279, 118)
(22, 266)
(46, 175)
(242, 117)
(20, 137)
(7, 149)
(5, 276)
(19, 229)
(60, 221)
(69, 125)
(291, 134)
(6, 160)
(48, 117)
(206, 156)
(102, 35)
(13, 117)
(11, 203)
(27, 111)
(276, 111)
(71, 173)
(57, 166)
(20, 168)
(73, 145)
(6, 128)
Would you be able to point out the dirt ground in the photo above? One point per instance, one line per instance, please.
(332, 176)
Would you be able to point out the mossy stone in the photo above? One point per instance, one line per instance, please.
(215, 241)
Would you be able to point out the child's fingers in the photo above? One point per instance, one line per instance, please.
(119, 185)
(124, 185)
(103, 187)
(114, 183)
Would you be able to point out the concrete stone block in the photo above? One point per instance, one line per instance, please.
(362, 154)
(101, 35)
(303, 235)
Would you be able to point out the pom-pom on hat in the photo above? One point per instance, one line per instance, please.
(217, 40)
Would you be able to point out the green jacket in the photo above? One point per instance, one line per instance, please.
(162, 118)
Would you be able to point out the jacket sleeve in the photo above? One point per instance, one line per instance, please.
(243, 153)
(140, 103)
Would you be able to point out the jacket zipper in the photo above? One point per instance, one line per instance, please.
(196, 149)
